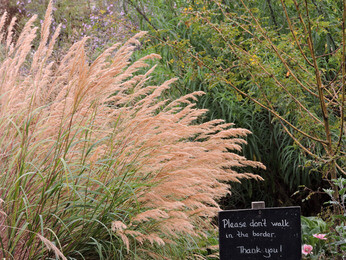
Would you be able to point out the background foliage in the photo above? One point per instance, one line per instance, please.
(217, 46)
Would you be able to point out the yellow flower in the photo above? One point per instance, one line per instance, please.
(253, 59)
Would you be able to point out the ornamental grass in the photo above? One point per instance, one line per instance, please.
(95, 163)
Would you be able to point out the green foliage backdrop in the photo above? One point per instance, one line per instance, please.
(259, 50)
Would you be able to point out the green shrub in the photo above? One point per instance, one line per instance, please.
(290, 67)
(327, 232)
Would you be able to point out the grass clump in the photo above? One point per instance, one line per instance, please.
(94, 164)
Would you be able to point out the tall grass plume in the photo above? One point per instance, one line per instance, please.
(94, 163)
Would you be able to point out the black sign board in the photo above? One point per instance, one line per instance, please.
(269, 233)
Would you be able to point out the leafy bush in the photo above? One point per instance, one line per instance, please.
(95, 164)
(285, 57)
(327, 232)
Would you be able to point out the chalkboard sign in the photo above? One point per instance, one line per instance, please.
(269, 233)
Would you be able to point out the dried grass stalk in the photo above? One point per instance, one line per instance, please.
(51, 112)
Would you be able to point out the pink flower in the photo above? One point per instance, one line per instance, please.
(320, 236)
(307, 249)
